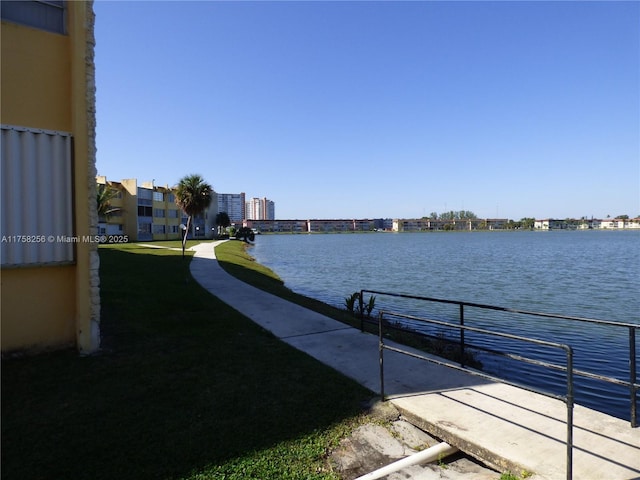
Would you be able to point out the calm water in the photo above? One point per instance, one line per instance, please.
(594, 274)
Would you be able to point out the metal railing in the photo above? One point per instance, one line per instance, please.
(632, 385)
(568, 367)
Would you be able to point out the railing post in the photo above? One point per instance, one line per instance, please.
(361, 309)
(462, 335)
(632, 376)
(569, 413)
(381, 350)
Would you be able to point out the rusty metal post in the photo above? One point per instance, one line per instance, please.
(361, 309)
(632, 377)
(381, 350)
(462, 335)
(569, 413)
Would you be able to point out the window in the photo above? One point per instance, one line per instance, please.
(158, 212)
(145, 196)
(172, 198)
(144, 228)
(36, 197)
(158, 229)
(158, 197)
(145, 211)
(45, 15)
(173, 213)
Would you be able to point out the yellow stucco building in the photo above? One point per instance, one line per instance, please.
(141, 212)
(49, 275)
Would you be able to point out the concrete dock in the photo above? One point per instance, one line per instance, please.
(506, 427)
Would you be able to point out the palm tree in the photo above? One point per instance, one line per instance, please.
(105, 194)
(193, 196)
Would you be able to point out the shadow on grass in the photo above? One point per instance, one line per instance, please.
(184, 385)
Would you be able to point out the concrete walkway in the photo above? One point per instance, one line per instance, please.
(505, 427)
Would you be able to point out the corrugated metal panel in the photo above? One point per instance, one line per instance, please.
(36, 207)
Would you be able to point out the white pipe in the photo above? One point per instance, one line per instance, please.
(425, 456)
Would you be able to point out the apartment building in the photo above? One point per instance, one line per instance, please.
(616, 223)
(149, 212)
(278, 226)
(166, 216)
(234, 204)
(346, 225)
(260, 209)
(410, 225)
(312, 226)
(587, 224)
(50, 265)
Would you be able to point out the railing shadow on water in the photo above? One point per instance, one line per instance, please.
(632, 384)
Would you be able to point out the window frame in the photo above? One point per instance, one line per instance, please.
(47, 15)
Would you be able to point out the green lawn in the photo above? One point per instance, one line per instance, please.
(185, 388)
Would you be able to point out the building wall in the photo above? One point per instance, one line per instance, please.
(167, 215)
(48, 82)
(130, 212)
(36, 64)
(45, 320)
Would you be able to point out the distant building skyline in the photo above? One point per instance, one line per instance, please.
(260, 209)
(157, 217)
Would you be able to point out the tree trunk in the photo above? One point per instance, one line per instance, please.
(186, 232)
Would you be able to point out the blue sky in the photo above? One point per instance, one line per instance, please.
(377, 109)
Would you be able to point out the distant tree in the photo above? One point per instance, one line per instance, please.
(193, 196)
(512, 225)
(527, 222)
(222, 221)
(433, 215)
(105, 193)
(623, 217)
(453, 215)
(246, 234)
